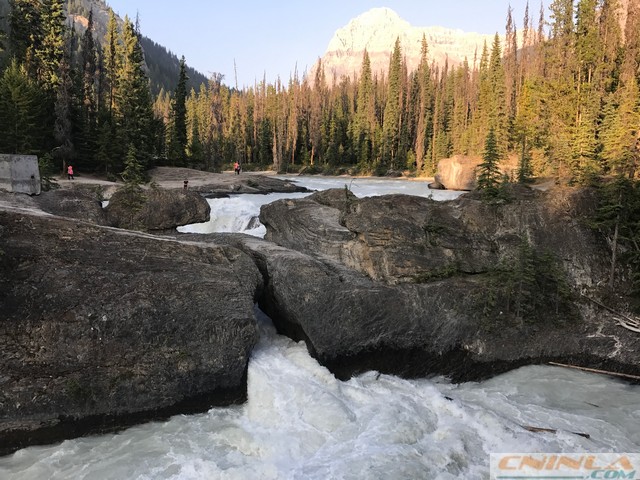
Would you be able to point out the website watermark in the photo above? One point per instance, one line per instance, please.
(564, 466)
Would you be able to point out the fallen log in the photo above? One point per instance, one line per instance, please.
(595, 370)
(551, 430)
(624, 321)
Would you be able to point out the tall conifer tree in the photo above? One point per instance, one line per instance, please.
(392, 113)
(425, 107)
(489, 174)
(25, 32)
(51, 52)
(64, 149)
(365, 120)
(89, 99)
(20, 111)
(178, 141)
(135, 112)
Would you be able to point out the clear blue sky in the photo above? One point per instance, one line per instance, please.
(271, 37)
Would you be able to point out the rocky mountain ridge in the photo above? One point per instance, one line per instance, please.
(376, 31)
(163, 66)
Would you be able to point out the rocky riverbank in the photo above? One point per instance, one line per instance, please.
(102, 327)
(465, 288)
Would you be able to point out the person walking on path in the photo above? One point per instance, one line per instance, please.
(69, 172)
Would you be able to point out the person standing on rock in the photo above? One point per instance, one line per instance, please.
(70, 172)
(236, 168)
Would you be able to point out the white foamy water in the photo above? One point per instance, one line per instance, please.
(239, 213)
(302, 423)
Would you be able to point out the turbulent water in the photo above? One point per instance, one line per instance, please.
(302, 423)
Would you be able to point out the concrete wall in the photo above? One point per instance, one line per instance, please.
(20, 174)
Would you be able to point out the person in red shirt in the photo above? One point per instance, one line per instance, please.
(70, 172)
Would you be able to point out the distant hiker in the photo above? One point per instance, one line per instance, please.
(236, 168)
(69, 172)
(186, 184)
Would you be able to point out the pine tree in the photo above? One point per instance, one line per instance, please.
(584, 163)
(488, 172)
(441, 143)
(112, 61)
(317, 111)
(621, 144)
(497, 100)
(89, 98)
(25, 31)
(51, 52)
(20, 111)
(525, 171)
(62, 125)
(364, 122)
(560, 69)
(178, 115)
(612, 53)
(196, 149)
(632, 38)
(134, 167)
(511, 70)
(617, 218)
(134, 98)
(294, 114)
(482, 113)
(392, 110)
(425, 107)
(524, 278)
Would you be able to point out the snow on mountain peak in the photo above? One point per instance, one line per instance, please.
(377, 30)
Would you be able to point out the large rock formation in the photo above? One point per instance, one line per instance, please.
(458, 172)
(403, 239)
(82, 203)
(156, 210)
(457, 326)
(377, 30)
(462, 287)
(102, 327)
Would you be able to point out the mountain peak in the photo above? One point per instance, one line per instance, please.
(369, 30)
(378, 15)
(377, 30)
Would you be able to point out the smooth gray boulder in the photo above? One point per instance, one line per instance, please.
(83, 203)
(457, 172)
(101, 328)
(156, 210)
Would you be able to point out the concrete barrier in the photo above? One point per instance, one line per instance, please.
(20, 174)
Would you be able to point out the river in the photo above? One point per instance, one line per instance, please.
(300, 422)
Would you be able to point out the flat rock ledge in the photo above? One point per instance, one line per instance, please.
(221, 184)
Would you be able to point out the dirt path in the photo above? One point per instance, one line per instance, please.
(167, 177)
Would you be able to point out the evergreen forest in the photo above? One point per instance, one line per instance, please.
(558, 96)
